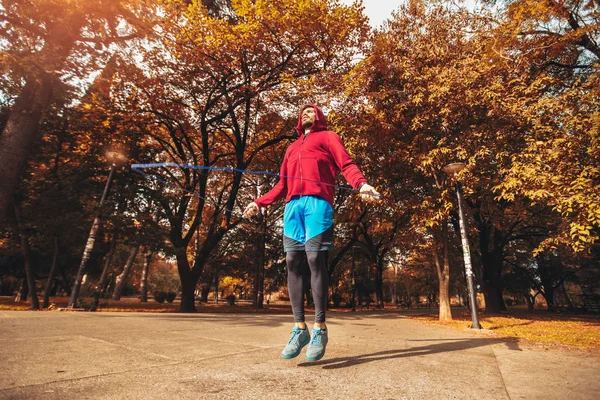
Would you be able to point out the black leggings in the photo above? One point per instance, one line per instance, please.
(319, 281)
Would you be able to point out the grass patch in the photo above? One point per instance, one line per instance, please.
(15, 307)
(552, 329)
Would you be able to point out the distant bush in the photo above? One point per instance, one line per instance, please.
(230, 299)
(171, 296)
(164, 283)
(336, 299)
(159, 297)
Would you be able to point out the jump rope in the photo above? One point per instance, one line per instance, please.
(140, 167)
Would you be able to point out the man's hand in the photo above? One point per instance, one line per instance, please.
(368, 193)
(251, 209)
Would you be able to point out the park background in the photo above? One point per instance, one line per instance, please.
(510, 88)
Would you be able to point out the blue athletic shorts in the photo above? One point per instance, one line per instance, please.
(307, 224)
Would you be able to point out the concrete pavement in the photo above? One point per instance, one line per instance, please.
(57, 355)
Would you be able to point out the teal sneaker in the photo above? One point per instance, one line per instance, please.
(318, 342)
(299, 339)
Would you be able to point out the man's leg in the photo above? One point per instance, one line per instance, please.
(319, 283)
(295, 279)
(319, 276)
(319, 234)
(300, 336)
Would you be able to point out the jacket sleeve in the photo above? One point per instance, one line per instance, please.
(344, 161)
(279, 191)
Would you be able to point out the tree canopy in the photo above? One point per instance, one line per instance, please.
(213, 87)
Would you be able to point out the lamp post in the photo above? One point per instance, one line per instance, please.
(353, 298)
(116, 160)
(452, 170)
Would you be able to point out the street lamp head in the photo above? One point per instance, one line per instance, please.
(454, 168)
(115, 158)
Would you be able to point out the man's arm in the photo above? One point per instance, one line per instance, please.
(279, 191)
(349, 169)
(344, 162)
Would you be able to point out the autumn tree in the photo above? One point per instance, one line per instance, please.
(417, 66)
(212, 79)
(559, 41)
(443, 89)
(45, 43)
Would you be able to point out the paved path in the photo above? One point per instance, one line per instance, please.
(59, 355)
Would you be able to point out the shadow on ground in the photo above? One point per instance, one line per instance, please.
(445, 346)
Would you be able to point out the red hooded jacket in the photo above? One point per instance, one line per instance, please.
(311, 163)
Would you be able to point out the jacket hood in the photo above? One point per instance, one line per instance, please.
(320, 121)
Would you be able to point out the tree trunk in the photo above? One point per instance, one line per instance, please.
(103, 281)
(258, 297)
(120, 281)
(204, 293)
(379, 283)
(102, 285)
(492, 291)
(394, 287)
(23, 291)
(443, 273)
(548, 294)
(259, 273)
(565, 299)
(189, 277)
(188, 287)
(529, 300)
(52, 274)
(35, 304)
(189, 280)
(65, 280)
(29, 273)
(492, 261)
(144, 284)
(19, 135)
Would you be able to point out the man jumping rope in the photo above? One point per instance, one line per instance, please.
(307, 181)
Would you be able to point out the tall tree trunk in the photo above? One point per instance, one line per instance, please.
(445, 313)
(204, 292)
(188, 289)
(548, 294)
(216, 288)
(19, 135)
(103, 281)
(102, 285)
(565, 299)
(492, 260)
(443, 273)
(122, 278)
(65, 280)
(259, 273)
(189, 279)
(394, 287)
(529, 300)
(52, 274)
(144, 284)
(379, 283)
(29, 273)
(23, 291)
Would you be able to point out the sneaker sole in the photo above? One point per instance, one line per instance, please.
(293, 355)
(317, 358)
(289, 356)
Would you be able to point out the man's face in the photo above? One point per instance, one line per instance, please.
(308, 117)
